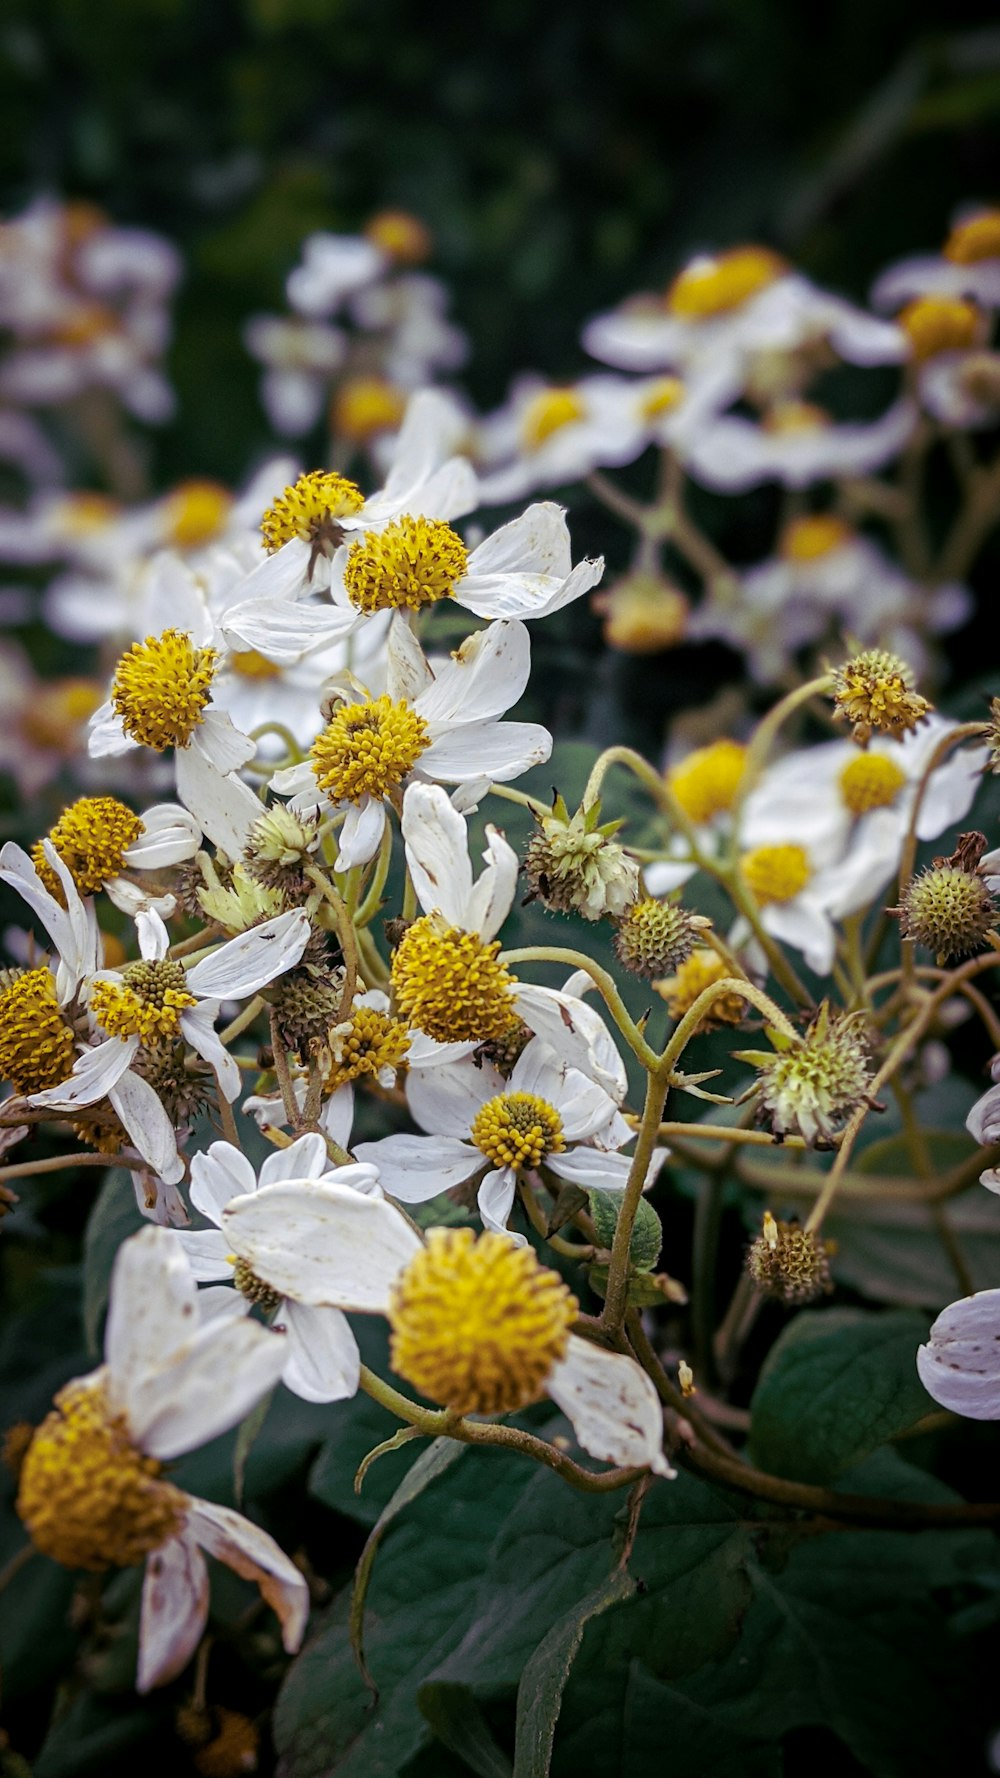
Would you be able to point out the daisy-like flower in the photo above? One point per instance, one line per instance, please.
(960, 1365)
(967, 266)
(435, 725)
(448, 978)
(545, 1112)
(795, 443)
(322, 1361)
(299, 358)
(94, 1492)
(478, 1326)
(733, 305)
(103, 842)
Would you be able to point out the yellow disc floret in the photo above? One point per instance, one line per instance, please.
(365, 406)
(702, 970)
(403, 237)
(368, 749)
(875, 690)
(478, 1325)
(978, 237)
(934, 324)
(161, 687)
(548, 412)
(88, 1497)
(196, 512)
(449, 983)
(518, 1130)
(91, 837)
(661, 397)
(412, 562)
(707, 781)
(311, 510)
(775, 873)
(37, 1048)
(813, 536)
(870, 781)
(715, 285)
(145, 1001)
(372, 1042)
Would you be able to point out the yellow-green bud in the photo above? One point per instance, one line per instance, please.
(575, 866)
(656, 937)
(949, 910)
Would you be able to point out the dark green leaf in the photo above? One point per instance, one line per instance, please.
(459, 1723)
(539, 1695)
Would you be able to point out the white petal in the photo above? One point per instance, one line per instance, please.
(207, 1253)
(485, 677)
(95, 1072)
(305, 1158)
(152, 1314)
(218, 1174)
(576, 1032)
(983, 1121)
(495, 1199)
(612, 1404)
(224, 807)
(171, 834)
(960, 1367)
(284, 632)
(437, 853)
(407, 672)
(209, 1386)
(221, 743)
(174, 1611)
(493, 895)
(445, 1100)
(416, 1168)
(361, 835)
(494, 750)
(426, 1052)
(323, 1361)
(537, 542)
(250, 961)
(153, 1135)
(198, 1026)
(249, 1551)
(323, 1244)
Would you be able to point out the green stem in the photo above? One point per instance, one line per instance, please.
(616, 1297)
(602, 981)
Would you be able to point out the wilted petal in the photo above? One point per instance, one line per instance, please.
(249, 1551)
(437, 852)
(612, 1404)
(152, 1133)
(174, 1611)
(250, 961)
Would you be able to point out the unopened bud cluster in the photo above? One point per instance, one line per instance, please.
(573, 865)
(810, 1086)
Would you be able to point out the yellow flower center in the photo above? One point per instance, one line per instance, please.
(254, 1288)
(91, 838)
(85, 325)
(36, 1043)
(775, 873)
(874, 690)
(368, 749)
(977, 238)
(661, 397)
(82, 515)
(870, 781)
(680, 991)
(413, 562)
(795, 416)
(548, 412)
(195, 512)
(58, 711)
(936, 324)
(706, 782)
(714, 286)
(370, 1043)
(448, 983)
(311, 510)
(518, 1130)
(643, 614)
(365, 406)
(161, 687)
(813, 535)
(478, 1325)
(403, 237)
(145, 1001)
(251, 665)
(88, 1497)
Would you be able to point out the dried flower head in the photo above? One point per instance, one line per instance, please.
(788, 1262)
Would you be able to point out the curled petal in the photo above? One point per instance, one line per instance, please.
(612, 1404)
(174, 1611)
(249, 1551)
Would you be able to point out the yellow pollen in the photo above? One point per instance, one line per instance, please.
(449, 983)
(716, 285)
(681, 990)
(975, 239)
(518, 1130)
(662, 397)
(368, 749)
(91, 838)
(412, 562)
(145, 1001)
(936, 324)
(251, 665)
(196, 512)
(403, 237)
(161, 687)
(706, 782)
(310, 510)
(37, 1049)
(548, 412)
(85, 325)
(813, 535)
(478, 1325)
(362, 407)
(82, 515)
(88, 1497)
(870, 781)
(775, 873)
(795, 416)
(874, 690)
(373, 1041)
(57, 712)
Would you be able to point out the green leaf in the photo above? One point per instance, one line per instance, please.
(459, 1723)
(837, 1384)
(539, 1695)
(894, 1252)
(647, 1233)
(246, 1436)
(114, 1217)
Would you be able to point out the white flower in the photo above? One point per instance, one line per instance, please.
(968, 265)
(299, 359)
(342, 1250)
(802, 446)
(410, 311)
(439, 725)
(546, 1111)
(322, 1362)
(168, 1384)
(960, 1365)
(333, 267)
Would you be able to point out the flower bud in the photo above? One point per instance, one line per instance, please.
(875, 690)
(574, 866)
(656, 936)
